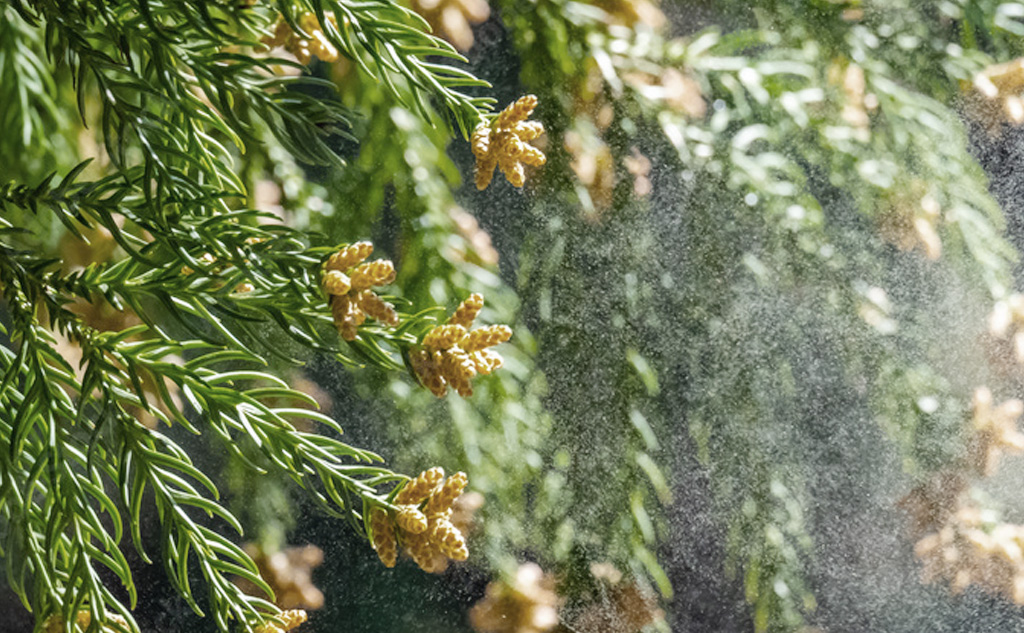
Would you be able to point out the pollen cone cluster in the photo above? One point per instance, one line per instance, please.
(528, 605)
(382, 536)
(304, 49)
(348, 280)
(422, 523)
(503, 143)
(451, 355)
(288, 620)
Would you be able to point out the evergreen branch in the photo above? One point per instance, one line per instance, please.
(178, 99)
(394, 40)
(497, 435)
(66, 436)
(30, 95)
(50, 488)
(143, 465)
(226, 271)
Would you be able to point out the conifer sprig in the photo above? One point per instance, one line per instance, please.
(176, 94)
(392, 43)
(68, 444)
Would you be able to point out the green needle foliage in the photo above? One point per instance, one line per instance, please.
(758, 232)
(177, 92)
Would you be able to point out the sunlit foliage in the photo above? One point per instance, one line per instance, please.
(758, 230)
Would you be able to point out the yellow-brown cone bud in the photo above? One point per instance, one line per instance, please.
(486, 361)
(449, 540)
(458, 369)
(485, 337)
(480, 140)
(335, 282)
(516, 112)
(383, 537)
(349, 328)
(376, 308)
(443, 498)
(428, 372)
(528, 130)
(410, 519)
(508, 145)
(514, 172)
(340, 305)
(532, 156)
(420, 487)
(425, 553)
(377, 273)
(444, 337)
(483, 173)
(347, 316)
(349, 256)
(467, 311)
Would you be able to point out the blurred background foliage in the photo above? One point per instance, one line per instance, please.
(767, 339)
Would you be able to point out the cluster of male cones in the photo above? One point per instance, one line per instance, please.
(348, 281)
(451, 354)
(448, 355)
(421, 522)
(504, 143)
